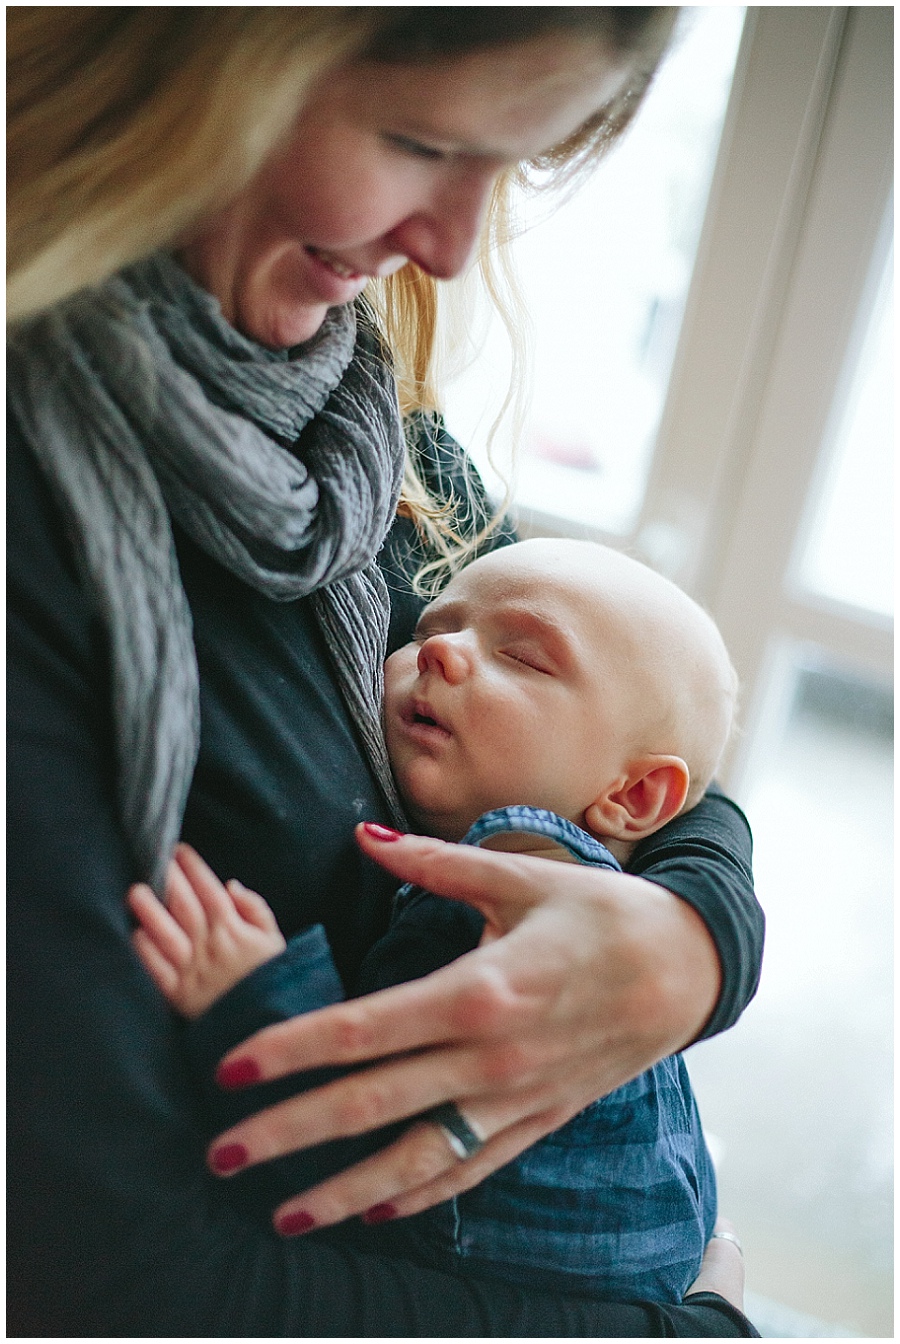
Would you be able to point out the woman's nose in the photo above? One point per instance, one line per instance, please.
(447, 655)
(441, 238)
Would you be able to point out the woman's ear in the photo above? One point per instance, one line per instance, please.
(651, 792)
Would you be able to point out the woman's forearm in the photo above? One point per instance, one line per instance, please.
(705, 857)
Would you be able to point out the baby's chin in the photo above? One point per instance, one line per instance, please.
(426, 821)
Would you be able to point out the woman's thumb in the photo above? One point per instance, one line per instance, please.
(499, 885)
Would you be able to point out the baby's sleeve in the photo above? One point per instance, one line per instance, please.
(299, 980)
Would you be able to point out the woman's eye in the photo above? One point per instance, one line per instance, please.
(415, 147)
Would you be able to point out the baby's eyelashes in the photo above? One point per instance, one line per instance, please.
(530, 658)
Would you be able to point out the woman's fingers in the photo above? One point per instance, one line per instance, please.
(417, 1171)
(420, 1155)
(355, 1104)
(454, 1002)
(722, 1267)
(502, 1148)
(502, 886)
(486, 994)
(499, 1080)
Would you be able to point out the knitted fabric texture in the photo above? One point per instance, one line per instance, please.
(142, 404)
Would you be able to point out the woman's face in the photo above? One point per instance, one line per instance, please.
(388, 164)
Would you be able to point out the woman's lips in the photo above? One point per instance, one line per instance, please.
(345, 270)
(340, 268)
(333, 280)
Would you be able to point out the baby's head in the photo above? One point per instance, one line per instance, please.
(563, 675)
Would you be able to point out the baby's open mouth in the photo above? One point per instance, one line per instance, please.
(418, 714)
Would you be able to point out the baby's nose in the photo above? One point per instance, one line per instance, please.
(446, 654)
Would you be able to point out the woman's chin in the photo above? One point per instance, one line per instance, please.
(280, 325)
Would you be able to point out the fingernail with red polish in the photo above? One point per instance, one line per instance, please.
(381, 832)
(292, 1224)
(237, 1073)
(379, 1213)
(230, 1157)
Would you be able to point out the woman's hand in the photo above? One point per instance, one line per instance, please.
(591, 977)
(722, 1267)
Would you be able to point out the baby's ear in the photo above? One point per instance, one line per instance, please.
(651, 792)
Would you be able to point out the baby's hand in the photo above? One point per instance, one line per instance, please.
(206, 938)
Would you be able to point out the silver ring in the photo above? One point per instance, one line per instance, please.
(463, 1139)
(728, 1236)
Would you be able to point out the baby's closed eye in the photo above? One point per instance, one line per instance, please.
(531, 657)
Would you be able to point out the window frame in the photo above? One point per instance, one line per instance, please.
(794, 239)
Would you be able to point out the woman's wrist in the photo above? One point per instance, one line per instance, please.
(675, 968)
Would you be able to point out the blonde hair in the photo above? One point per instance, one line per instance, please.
(128, 125)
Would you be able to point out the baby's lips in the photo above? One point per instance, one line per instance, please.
(421, 709)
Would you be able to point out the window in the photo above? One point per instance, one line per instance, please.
(606, 275)
(847, 556)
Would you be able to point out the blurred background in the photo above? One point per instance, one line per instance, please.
(711, 389)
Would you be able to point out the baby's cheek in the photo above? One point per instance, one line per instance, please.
(391, 669)
(400, 670)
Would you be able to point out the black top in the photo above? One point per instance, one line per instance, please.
(115, 1227)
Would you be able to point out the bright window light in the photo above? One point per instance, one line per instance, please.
(849, 553)
(605, 278)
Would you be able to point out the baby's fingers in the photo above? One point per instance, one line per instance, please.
(161, 971)
(193, 874)
(251, 907)
(160, 930)
(184, 905)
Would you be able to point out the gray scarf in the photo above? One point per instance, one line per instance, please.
(140, 401)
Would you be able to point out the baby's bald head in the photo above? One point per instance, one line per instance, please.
(559, 675)
(676, 686)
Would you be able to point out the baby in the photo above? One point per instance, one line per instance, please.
(558, 699)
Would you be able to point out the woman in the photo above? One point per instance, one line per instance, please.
(197, 629)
